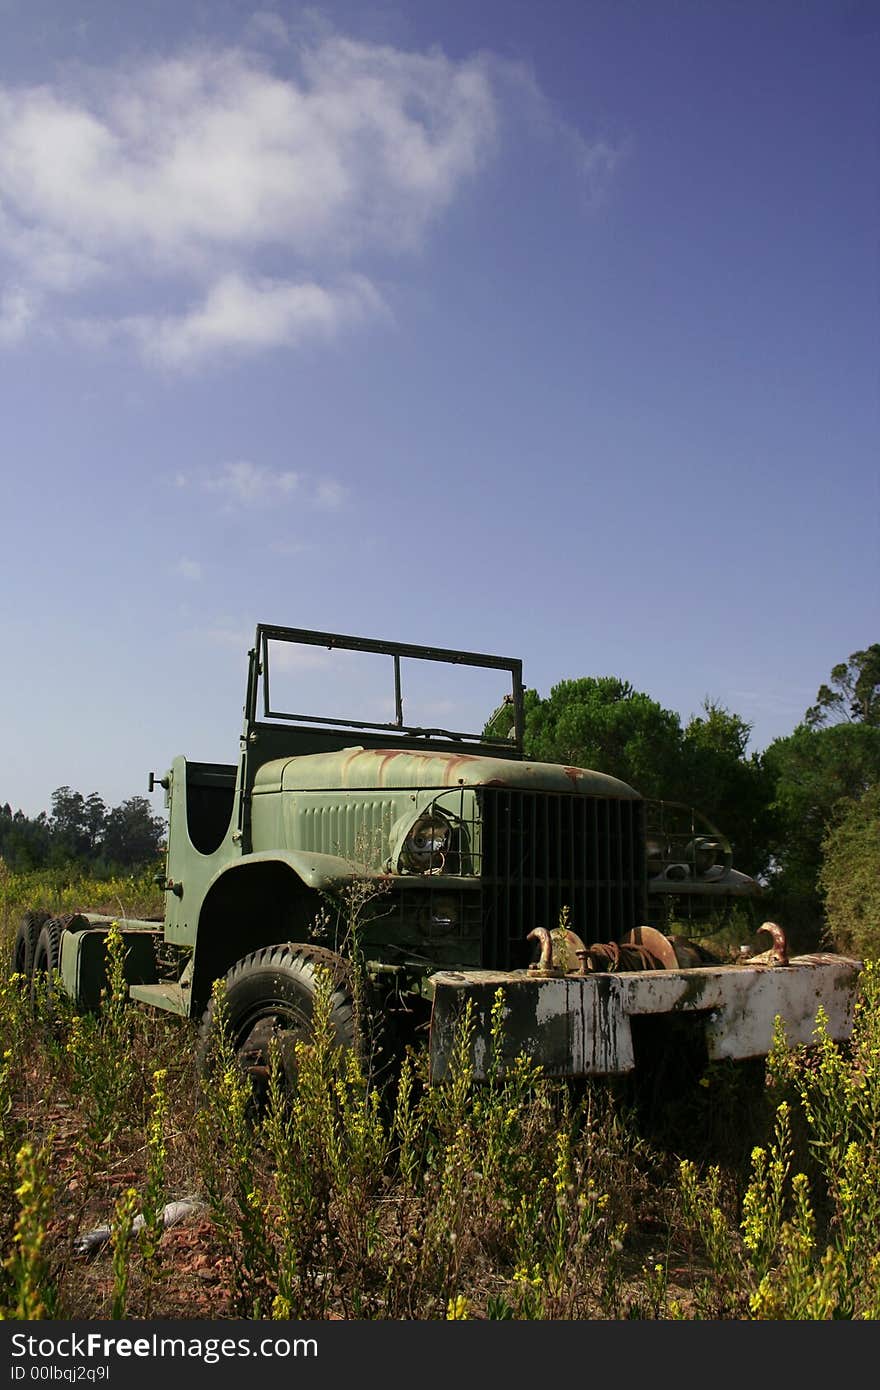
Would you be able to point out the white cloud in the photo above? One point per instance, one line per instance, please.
(329, 494)
(189, 569)
(594, 160)
(597, 162)
(175, 175)
(44, 254)
(249, 482)
(16, 313)
(252, 484)
(175, 182)
(243, 316)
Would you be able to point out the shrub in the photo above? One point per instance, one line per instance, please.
(850, 877)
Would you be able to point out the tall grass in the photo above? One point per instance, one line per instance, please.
(515, 1198)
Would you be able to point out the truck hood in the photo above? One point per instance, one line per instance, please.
(366, 768)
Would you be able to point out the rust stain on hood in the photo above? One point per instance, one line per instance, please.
(368, 768)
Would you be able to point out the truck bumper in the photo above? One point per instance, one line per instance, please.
(582, 1025)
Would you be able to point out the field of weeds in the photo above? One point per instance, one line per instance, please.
(520, 1198)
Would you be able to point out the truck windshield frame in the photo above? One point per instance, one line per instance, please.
(258, 704)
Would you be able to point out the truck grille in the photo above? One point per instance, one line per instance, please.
(542, 852)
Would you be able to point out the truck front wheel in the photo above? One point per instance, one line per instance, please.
(271, 994)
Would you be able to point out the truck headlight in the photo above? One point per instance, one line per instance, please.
(427, 845)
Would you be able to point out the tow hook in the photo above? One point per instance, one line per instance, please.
(544, 966)
(778, 953)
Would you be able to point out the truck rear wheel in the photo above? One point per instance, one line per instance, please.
(271, 993)
(25, 943)
(47, 956)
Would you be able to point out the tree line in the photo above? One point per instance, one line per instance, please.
(81, 830)
(803, 815)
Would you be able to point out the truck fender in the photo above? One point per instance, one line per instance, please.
(323, 872)
(261, 900)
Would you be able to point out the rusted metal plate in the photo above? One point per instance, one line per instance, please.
(582, 1026)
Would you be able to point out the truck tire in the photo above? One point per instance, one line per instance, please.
(25, 943)
(47, 956)
(272, 992)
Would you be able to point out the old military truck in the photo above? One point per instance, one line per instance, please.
(423, 867)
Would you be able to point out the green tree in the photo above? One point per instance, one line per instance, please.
(601, 722)
(24, 841)
(132, 834)
(853, 693)
(814, 772)
(76, 825)
(729, 785)
(81, 830)
(850, 876)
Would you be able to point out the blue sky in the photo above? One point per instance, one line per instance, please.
(545, 330)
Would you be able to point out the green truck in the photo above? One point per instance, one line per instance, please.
(421, 868)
